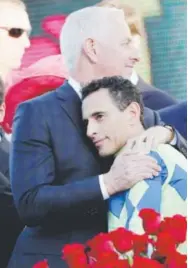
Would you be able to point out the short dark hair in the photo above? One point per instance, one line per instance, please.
(2, 91)
(122, 91)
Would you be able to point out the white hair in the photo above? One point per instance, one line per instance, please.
(90, 22)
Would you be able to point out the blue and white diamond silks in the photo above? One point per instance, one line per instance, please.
(165, 193)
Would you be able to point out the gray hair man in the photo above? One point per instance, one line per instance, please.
(62, 189)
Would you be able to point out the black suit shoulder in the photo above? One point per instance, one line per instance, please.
(4, 154)
(157, 99)
(39, 100)
(154, 98)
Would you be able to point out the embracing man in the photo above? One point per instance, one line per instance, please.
(113, 114)
(59, 182)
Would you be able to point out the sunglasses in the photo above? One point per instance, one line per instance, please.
(15, 32)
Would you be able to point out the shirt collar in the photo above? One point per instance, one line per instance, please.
(76, 86)
(78, 89)
(134, 78)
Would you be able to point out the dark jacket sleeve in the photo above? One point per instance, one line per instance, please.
(10, 224)
(176, 115)
(152, 118)
(37, 195)
(157, 99)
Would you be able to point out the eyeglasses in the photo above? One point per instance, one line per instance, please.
(15, 32)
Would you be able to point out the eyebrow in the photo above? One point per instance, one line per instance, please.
(97, 113)
(94, 114)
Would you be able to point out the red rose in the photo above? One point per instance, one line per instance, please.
(102, 248)
(75, 256)
(41, 264)
(176, 226)
(114, 264)
(140, 262)
(122, 239)
(151, 220)
(140, 243)
(165, 225)
(165, 244)
(176, 260)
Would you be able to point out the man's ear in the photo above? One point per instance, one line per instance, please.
(133, 111)
(2, 111)
(90, 50)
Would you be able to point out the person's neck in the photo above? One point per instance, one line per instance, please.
(86, 73)
(83, 78)
(134, 133)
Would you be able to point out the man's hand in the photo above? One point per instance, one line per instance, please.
(160, 134)
(127, 170)
(132, 164)
(150, 139)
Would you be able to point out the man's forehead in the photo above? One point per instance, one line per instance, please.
(122, 25)
(98, 101)
(13, 16)
(97, 97)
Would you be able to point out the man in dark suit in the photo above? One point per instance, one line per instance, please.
(10, 224)
(60, 185)
(154, 98)
(4, 144)
(14, 27)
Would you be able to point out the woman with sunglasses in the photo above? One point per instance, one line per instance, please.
(14, 35)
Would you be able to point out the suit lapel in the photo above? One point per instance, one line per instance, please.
(143, 86)
(71, 103)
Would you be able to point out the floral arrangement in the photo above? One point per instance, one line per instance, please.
(121, 248)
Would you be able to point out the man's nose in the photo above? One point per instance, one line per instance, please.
(136, 52)
(91, 129)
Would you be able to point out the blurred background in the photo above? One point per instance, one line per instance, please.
(163, 49)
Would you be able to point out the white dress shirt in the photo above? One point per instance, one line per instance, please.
(134, 78)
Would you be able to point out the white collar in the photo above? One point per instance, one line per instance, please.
(134, 78)
(78, 89)
(76, 86)
(8, 136)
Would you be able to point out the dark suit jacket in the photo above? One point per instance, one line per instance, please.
(153, 97)
(176, 115)
(54, 175)
(170, 109)
(10, 224)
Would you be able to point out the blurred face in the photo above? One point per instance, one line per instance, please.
(117, 54)
(14, 38)
(107, 126)
(2, 112)
(136, 38)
